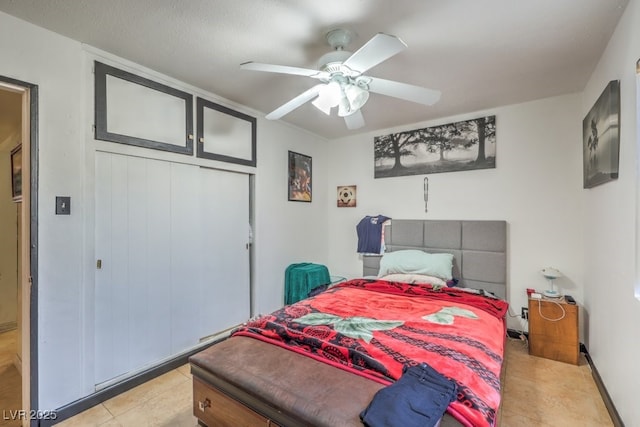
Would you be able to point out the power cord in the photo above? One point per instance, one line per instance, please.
(524, 324)
(564, 313)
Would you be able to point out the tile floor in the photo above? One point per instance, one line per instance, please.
(544, 393)
(537, 392)
(10, 380)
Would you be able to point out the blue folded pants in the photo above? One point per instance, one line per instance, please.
(419, 398)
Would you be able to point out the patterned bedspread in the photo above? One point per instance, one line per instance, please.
(373, 328)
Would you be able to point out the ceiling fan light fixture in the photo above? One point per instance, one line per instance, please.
(344, 108)
(353, 99)
(321, 106)
(342, 83)
(329, 97)
(357, 96)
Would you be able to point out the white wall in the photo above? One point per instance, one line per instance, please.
(535, 187)
(59, 67)
(610, 224)
(31, 54)
(287, 232)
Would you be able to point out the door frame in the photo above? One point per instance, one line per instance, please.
(29, 273)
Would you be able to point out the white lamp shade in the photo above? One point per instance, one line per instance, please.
(328, 97)
(357, 96)
(344, 108)
(354, 98)
(551, 273)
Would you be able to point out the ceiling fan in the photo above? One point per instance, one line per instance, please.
(343, 84)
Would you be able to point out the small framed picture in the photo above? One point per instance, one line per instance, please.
(299, 177)
(16, 173)
(347, 196)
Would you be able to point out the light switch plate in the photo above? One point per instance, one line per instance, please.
(63, 205)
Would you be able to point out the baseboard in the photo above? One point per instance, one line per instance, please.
(512, 333)
(107, 393)
(608, 402)
(8, 326)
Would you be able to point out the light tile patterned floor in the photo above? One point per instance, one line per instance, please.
(544, 393)
(10, 387)
(537, 393)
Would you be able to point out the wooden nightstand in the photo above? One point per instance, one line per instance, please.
(551, 334)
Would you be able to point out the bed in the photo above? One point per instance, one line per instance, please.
(309, 364)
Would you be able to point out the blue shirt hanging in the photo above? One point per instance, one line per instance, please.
(370, 234)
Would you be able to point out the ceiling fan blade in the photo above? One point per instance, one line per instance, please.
(288, 107)
(283, 69)
(379, 48)
(405, 91)
(354, 120)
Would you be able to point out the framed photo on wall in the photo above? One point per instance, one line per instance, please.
(299, 167)
(347, 196)
(16, 173)
(601, 138)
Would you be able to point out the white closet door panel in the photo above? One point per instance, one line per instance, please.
(119, 260)
(158, 302)
(172, 239)
(112, 280)
(133, 285)
(225, 266)
(137, 262)
(103, 315)
(186, 238)
(139, 315)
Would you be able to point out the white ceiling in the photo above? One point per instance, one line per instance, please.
(480, 54)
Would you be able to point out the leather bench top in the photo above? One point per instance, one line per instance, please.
(283, 384)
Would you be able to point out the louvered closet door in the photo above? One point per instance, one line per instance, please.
(167, 239)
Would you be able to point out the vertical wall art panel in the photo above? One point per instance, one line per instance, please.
(225, 134)
(300, 175)
(601, 138)
(130, 109)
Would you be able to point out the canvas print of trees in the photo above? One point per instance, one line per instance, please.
(458, 146)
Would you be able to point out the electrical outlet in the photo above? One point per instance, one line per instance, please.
(525, 313)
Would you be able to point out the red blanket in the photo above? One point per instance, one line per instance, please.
(373, 328)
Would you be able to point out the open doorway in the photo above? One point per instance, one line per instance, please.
(10, 222)
(18, 251)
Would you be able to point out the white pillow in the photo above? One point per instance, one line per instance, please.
(414, 279)
(414, 261)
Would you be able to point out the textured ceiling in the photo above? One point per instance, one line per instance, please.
(480, 54)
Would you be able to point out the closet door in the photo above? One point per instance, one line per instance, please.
(166, 233)
(225, 263)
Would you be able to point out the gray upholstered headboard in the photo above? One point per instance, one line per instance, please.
(479, 249)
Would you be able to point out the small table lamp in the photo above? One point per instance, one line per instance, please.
(551, 274)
